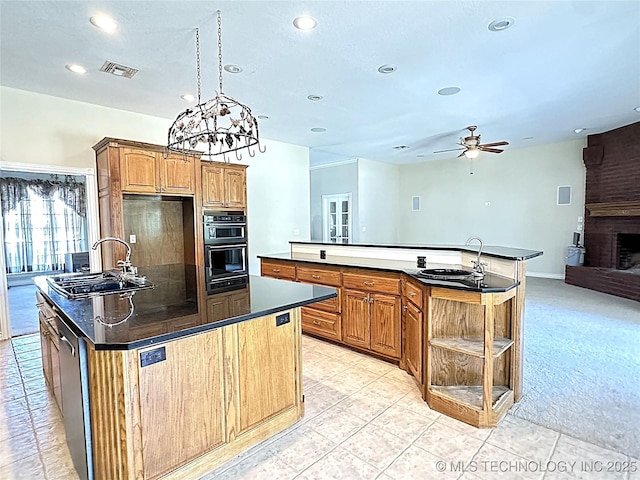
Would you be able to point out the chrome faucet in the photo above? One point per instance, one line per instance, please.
(478, 266)
(126, 264)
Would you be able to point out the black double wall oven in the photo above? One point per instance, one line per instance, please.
(225, 251)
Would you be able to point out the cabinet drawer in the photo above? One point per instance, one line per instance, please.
(278, 270)
(321, 323)
(330, 305)
(371, 283)
(48, 327)
(413, 293)
(319, 276)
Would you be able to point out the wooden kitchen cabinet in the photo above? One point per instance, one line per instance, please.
(150, 171)
(224, 185)
(49, 343)
(144, 191)
(470, 373)
(322, 318)
(194, 365)
(276, 269)
(221, 306)
(413, 296)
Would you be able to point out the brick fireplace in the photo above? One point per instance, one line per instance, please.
(612, 216)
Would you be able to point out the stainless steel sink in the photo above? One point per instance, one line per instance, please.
(448, 274)
(82, 285)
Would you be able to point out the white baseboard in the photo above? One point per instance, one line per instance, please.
(556, 276)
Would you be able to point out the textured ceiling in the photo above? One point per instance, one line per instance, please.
(563, 65)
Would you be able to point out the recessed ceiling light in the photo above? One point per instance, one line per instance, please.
(188, 97)
(305, 23)
(76, 68)
(500, 24)
(400, 147)
(420, 156)
(637, 109)
(449, 91)
(233, 68)
(318, 129)
(103, 22)
(263, 117)
(315, 98)
(579, 130)
(387, 68)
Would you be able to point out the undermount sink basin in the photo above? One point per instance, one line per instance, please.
(448, 274)
(81, 285)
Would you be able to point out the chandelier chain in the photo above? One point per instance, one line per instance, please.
(198, 60)
(220, 50)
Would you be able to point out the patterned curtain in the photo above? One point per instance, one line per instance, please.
(43, 220)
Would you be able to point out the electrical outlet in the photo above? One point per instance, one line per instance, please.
(580, 219)
(579, 228)
(132, 239)
(296, 232)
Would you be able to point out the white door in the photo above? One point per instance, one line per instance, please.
(336, 218)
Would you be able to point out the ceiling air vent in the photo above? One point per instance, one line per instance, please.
(118, 70)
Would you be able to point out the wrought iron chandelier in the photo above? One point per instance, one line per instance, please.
(222, 125)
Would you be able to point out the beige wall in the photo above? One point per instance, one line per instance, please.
(510, 200)
(378, 195)
(47, 130)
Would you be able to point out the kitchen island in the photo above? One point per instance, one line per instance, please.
(171, 385)
(459, 336)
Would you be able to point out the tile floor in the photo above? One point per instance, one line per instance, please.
(364, 420)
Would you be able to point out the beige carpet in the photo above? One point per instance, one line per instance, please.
(582, 364)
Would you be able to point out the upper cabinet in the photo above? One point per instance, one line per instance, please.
(224, 185)
(148, 171)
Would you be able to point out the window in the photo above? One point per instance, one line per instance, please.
(41, 228)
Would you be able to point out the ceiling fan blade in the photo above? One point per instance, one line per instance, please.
(450, 150)
(461, 154)
(494, 144)
(492, 150)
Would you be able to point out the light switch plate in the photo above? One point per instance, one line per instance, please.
(132, 239)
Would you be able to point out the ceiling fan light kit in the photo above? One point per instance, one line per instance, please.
(471, 146)
(222, 125)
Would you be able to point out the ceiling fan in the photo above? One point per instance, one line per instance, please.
(471, 146)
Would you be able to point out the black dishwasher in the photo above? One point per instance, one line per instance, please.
(75, 399)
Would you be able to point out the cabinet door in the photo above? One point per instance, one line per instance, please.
(176, 425)
(413, 340)
(212, 186)
(236, 188)
(218, 308)
(178, 174)
(139, 170)
(55, 375)
(355, 319)
(385, 325)
(45, 346)
(267, 369)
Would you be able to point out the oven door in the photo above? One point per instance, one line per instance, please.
(225, 261)
(224, 233)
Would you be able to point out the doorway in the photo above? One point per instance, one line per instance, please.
(336, 218)
(19, 262)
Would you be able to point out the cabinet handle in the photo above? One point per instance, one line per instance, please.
(411, 294)
(370, 299)
(276, 270)
(315, 322)
(365, 299)
(405, 308)
(315, 276)
(64, 339)
(369, 284)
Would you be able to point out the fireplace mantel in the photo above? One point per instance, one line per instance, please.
(614, 209)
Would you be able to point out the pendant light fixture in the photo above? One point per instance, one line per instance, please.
(221, 125)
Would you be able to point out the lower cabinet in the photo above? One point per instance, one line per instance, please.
(221, 306)
(325, 324)
(49, 343)
(372, 321)
(413, 320)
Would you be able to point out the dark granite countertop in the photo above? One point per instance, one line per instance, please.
(489, 250)
(490, 283)
(171, 310)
